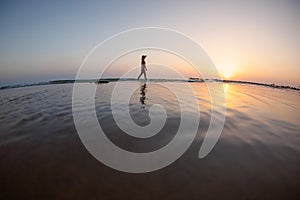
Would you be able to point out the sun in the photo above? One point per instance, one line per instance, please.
(226, 71)
(227, 75)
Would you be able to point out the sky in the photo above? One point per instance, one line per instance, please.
(247, 40)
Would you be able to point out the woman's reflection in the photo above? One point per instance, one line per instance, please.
(143, 95)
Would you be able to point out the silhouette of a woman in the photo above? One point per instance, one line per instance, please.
(143, 67)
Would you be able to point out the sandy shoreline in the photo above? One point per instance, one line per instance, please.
(257, 156)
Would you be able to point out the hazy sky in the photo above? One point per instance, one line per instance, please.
(248, 40)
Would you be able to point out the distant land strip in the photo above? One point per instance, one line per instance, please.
(107, 80)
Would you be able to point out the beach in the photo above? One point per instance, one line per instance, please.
(256, 157)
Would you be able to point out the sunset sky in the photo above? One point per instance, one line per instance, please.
(247, 40)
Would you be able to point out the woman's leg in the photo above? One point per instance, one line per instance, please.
(140, 75)
(145, 75)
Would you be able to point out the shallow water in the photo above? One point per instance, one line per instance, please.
(256, 157)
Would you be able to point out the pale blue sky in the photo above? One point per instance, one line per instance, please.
(43, 40)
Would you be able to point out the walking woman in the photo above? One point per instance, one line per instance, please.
(143, 67)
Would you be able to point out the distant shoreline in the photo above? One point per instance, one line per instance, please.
(107, 80)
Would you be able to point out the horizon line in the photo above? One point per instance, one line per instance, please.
(107, 80)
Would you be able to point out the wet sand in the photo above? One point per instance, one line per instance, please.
(257, 156)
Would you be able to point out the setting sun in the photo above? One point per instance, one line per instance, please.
(227, 75)
(226, 71)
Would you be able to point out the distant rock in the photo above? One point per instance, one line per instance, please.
(102, 81)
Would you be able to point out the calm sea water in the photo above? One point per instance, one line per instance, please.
(256, 157)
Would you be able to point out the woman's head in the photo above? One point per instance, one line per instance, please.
(143, 57)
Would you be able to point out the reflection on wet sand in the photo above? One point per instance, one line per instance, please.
(256, 157)
(143, 91)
